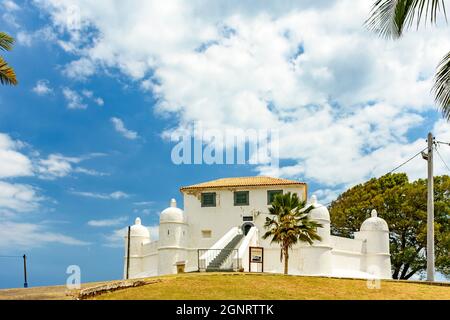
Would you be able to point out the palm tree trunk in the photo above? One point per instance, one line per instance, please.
(286, 260)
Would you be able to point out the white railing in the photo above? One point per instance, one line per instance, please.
(250, 240)
(229, 262)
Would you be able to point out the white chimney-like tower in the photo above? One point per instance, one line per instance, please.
(316, 258)
(375, 232)
(139, 236)
(173, 235)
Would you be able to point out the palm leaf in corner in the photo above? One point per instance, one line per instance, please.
(7, 74)
(441, 86)
(6, 41)
(389, 18)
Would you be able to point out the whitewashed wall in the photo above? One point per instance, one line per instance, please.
(225, 215)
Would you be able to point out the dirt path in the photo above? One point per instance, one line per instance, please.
(43, 293)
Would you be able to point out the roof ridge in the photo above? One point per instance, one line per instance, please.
(247, 181)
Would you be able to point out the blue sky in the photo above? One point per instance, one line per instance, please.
(83, 148)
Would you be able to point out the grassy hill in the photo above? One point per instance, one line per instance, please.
(265, 287)
(241, 286)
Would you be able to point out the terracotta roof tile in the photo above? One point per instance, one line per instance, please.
(243, 182)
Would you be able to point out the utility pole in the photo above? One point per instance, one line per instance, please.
(128, 254)
(430, 209)
(25, 284)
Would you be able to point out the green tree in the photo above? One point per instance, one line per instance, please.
(289, 223)
(390, 18)
(404, 207)
(7, 74)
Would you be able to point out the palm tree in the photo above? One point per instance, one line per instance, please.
(7, 74)
(289, 223)
(390, 18)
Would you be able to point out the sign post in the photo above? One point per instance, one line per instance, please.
(256, 255)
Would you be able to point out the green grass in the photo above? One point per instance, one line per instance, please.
(206, 286)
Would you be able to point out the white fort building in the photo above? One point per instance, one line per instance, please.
(223, 218)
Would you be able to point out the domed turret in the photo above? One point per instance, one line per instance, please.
(139, 236)
(321, 215)
(316, 258)
(172, 213)
(375, 234)
(320, 212)
(138, 230)
(173, 237)
(374, 223)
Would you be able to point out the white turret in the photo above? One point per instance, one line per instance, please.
(316, 258)
(321, 215)
(375, 232)
(139, 236)
(172, 239)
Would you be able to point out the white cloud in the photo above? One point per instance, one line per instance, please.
(12, 162)
(144, 203)
(343, 99)
(116, 238)
(59, 166)
(107, 222)
(27, 39)
(42, 88)
(325, 196)
(18, 197)
(117, 195)
(90, 172)
(15, 197)
(97, 100)
(10, 8)
(80, 69)
(120, 127)
(56, 166)
(27, 235)
(74, 100)
(145, 212)
(24, 38)
(442, 157)
(10, 5)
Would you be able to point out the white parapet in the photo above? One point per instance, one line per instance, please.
(250, 240)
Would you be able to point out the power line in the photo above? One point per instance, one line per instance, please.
(442, 159)
(398, 167)
(11, 256)
(442, 142)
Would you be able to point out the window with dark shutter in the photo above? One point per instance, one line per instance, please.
(209, 199)
(241, 198)
(271, 195)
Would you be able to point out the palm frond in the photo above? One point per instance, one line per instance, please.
(7, 74)
(441, 87)
(6, 41)
(389, 18)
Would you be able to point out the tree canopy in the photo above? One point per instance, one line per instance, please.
(403, 205)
